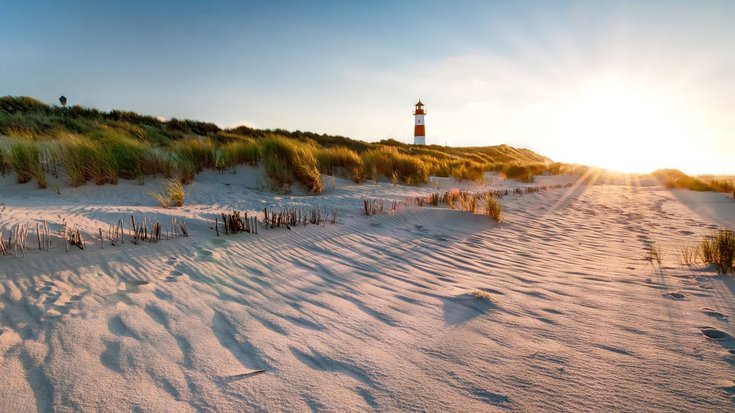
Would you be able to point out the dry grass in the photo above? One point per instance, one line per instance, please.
(719, 249)
(493, 208)
(25, 159)
(387, 161)
(482, 295)
(689, 254)
(340, 161)
(172, 195)
(4, 162)
(287, 161)
(654, 254)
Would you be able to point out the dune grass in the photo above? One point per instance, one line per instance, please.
(4, 166)
(719, 249)
(126, 145)
(287, 161)
(482, 295)
(388, 162)
(340, 161)
(493, 208)
(231, 154)
(675, 179)
(25, 159)
(172, 195)
(84, 160)
(689, 254)
(654, 254)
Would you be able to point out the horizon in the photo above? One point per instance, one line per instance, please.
(626, 87)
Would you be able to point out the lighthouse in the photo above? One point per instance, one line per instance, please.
(419, 128)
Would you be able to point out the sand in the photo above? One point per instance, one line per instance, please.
(370, 313)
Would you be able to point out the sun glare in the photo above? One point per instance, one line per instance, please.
(614, 125)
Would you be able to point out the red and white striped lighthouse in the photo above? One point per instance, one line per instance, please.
(419, 128)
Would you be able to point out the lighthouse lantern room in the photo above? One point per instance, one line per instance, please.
(419, 129)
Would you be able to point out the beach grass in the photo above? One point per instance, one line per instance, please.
(25, 159)
(287, 161)
(172, 195)
(340, 161)
(493, 208)
(719, 249)
(125, 145)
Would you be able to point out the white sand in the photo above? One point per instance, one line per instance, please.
(373, 313)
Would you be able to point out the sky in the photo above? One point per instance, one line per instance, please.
(630, 86)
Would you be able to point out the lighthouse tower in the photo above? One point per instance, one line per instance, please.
(419, 129)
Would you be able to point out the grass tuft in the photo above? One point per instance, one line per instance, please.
(689, 254)
(719, 249)
(482, 295)
(172, 195)
(493, 208)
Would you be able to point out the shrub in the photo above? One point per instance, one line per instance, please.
(171, 196)
(719, 249)
(287, 160)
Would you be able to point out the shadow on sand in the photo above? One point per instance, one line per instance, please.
(465, 307)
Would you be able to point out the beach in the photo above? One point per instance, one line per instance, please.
(421, 308)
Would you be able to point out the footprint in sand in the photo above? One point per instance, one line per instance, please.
(715, 314)
(131, 286)
(716, 334)
(203, 254)
(174, 275)
(675, 296)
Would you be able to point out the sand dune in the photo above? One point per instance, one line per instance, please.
(371, 313)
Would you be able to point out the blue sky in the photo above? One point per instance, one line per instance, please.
(576, 81)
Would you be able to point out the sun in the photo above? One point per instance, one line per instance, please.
(619, 126)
